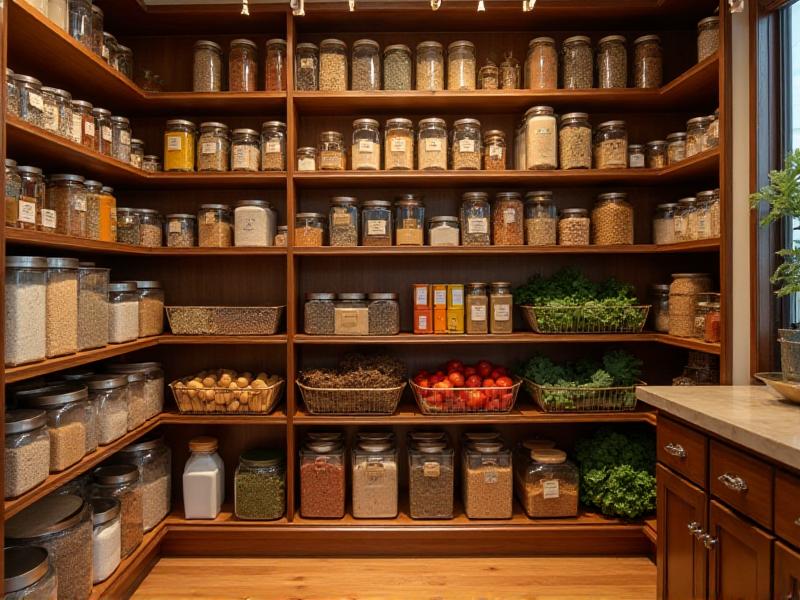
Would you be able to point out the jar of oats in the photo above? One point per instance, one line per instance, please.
(611, 146)
(245, 150)
(647, 61)
(475, 219)
(541, 219)
(575, 141)
(612, 220)
(430, 66)
(540, 138)
(181, 230)
(306, 158)
(409, 220)
(309, 230)
(466, 145)
(306, 67)
(494, 150)
(542, 64)
(330, 151)
(215, 226)
(213, 147)
(399, 145)
(676, 147)
(366, 146)
(432, 145)
(332, 65)
(573, 227)
(656, 154)
(683, 295)
(578, 62)
(508, 219)
(366, 67)
(397, 67)
(461, 66)
(664, 223)
(696, 135)
(273, 146)
(707, 37)
(686, 220)
(612, 62)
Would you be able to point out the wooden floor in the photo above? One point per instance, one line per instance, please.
(540, 578)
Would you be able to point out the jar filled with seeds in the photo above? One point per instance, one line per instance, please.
(330, 151)
(574, 227)
(611, 146)
(245, 150)
(578, 62)
(309, 230)
(488, 76)
(575, 141)
(26, 308)
(332, 65)
(124, 61)
(109, 48)
(12, 94)
(647, 59)
(149, 227)
(659, 298)
(707, 37)
(151, 163)
(92, 307)
(664, 223)
(123, 312)
(121, 139)
(122, 483)
(31, 103)
(399, 145)
(102, 127)
(351, 314)
(127, 226)
(541, 138)
(366, 66)
(443, 231)
(707, 319)
(243, 66)
(151, 308)
(27, 451)
(494, 150)
(179, 145)
(383, 314)
(61, 117)
(322, 479)
(213, 147)
(708, 214)
(65, 406)
(683, 296)
(255, 223)
(153, 458)
(487, 480)
(306, 69)
(273, 146)
(67, 193)
(109, 394)
(475, 217)
(97, 30)
(282, 236)
(375, 479)
(376, 223)
(366, 145)
(509, 73)
(137, 404)
(397, 68)
(466, 145)
(275, 65)
(547, 484)
(612, 220)
(712, 132)
(260, 485)
(431, 469)
(696, 135)
(319, 314)
(207, 73)
(29, 571)
(461, 66)
(542, 64)
(108, 214)
(28, 212)
(430, 66)
(656, 153)
(80, 21)
(541, 219)
(476, 307)
(432, 145)
(13, 192)
(137, 152)
(409, 221)
(676, 147)
(612, 62)
(153, 388)
(343, 221)
(306, 159)
(214, 226)
(508, 219)
(501, 303)
(83, 131)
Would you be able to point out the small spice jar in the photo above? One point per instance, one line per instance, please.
(179, 145)
(309, 230)
(397, 68)
(343, 221)
(102, 127)
(306, 159)
(383, 313)
(611, 146)
(351, 314)
(260, 485)
(26, 309)
(374, 478)
(432, 145)
(27, 451)
(399, 145)
(541, 219)
(97, 30)
(322, 479)
(127, 226)
(124, 61)
(575, 141)
(330, 151)
(475, 218)
(540, 138)
(30, 211)
(430, 66)
(487, 480)
(58, 111)
(612, 62)
(647, 59)
(508, 219)
(683, 295)
(707, 37)
(153, 458)
(488, 76)
(708, 316)
(275, 65)
(106, 537)
(213, 147)
(476, 307)
(656, 154)
(151, 308)
(122, 483)
(366, 67)
(578, 63)
(636, 156)
(676, 147)
(574, 227)
(137, 153)
(659, 298)
(332, 65)
(207, 73)
(443, 231)
(319, 314)
(214, 226)
(664, 223)
(612, 220)
(61, 326)
(501, 303)
(273, 146)
(245, 150)
(12, 94)
(123, 312)
(80, 21)
(109, 395)
(306, 69)
(409, 220)
(242, 66)
(366, 145)
(31, 103)
(376, 223)
(547, 484)
(509, 73)
(29, 573)
(282, 236)
(696, 136)
(466, 145)
(494, 150)
(151, 163)
(121, 138)
(431, 470)
(542, 64)
(255, 223)
(461, 66)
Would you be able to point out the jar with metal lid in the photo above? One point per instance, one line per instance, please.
(712, 131)
(375, 481)
(309, 229)
(461, 66)
(12, 94)
(254, 223)
(383, 313)
(636, 156)
(80, 21)
(275, 65)
(409, 220)
(696, 135)
(27, 451)
(708, 214)
(31, 103)
(110, 397)
(541, 138)
(137, 403)
(35, 209)
(431, 470)
(213, 147)
(656, 154)
(686, 220)
(542, 64)
(707, 37)
(322, 479)
(366, 66)
(97, 30)
(647, 62)
(397, 68)
(153, 384)
(488, 76)
(575, 141)
(487, 480)
(664, 223)
(541, 219)
(153, 458)
(611, 145)
(475, 218)
(273, 146)
(306, 67)
(107, 214)
(207, 72)
(124, 61)
(573, 227)
(214, 226)
(432, 145)
(57, 111)
(203, 479)
(13, 192)
(102, 127)
(282, 236)
(151, 308)
(676, 147)
(151, 163)
(29, 574)
(430, 66)
(127, 226)
(366, 145)
(26, 309)
(509, 73)
(66, 410)
(319, 314)
(494, 150)
(376, 223)
(501, 303)
(476, 307)
(508, 219)
(67, 194)
(332, 65)
(122, 483)
(707, 320)
(343, 221)
(245, 150)
(137, 152)
(109, 47)
(307, 158)
(330, 151)
(466, 145)
(242, 66)
(612, 220)
(612, 62)
(179, 145)
(61, 524)
(659, 312)
(443, 231)
(106, 537)
(123, 312)
(150, 227)
(578, 63)
(683, 295)
(399, 144)
(121, 139)
(260, 485)
(547, 484)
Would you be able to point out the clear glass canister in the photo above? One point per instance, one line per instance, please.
(322, 479)
(444, 231)
(574, 227)
(12, 94)
(376, 223)
(509, 73)
(153, 389)
(542, 62)
(430, 66)
(611, 146)
(151, 163)
(696, 135)
(29, 574)
(213, 147)
(24, 191)
(26, 309)
(319, 313)
(343, 221)
(97, 30)
(541, 138)
(137, 404)
(683, 296)
(153, 458)
(31, 103)
(578, 63)
(707, 37)
(612, 62)
(80, 21)
(466, 145)
(66, 410)
(282, 236)
(475, 218)
(66, 194)
(245, 150)
(122, 483)
(106, 537)
(13, 192)
(127, 226)
(399, 144)
(487, 480)
(547, 484)
(488, 76)
(476, 307)
(431, 476)
(375, 480)
(275, 65)
(110, 397)
(664, 223)
(124, 61)
(330, 151)
(27, 451)
(501, 303)
(366, 145)
(383, 314)
(254, 223)
(207, 73)
(102, 127)
(151, 308)
(707, 320)
(150, 227)
(712, 132)
(179, 145)
(659, 296)
(58, 111)
(708, 214)
(273, 146)
(461, 68)
(397, 68)
(494, 150)
(92, 307)
(62, 306)
(306, 67)
(121, 138)
(260, 485)
(137, 152)
(508, 219)
(309, 229)
(541, 219)
(123, 312)
(243, 66)
(109, 48)
(432, 145)
(332, 65)
(647, 59)
(612, 220)
(575, 141)
(214, 226)
(656, 154)
(306, 158)
(366, 66)
(409, 221)
(676, 147)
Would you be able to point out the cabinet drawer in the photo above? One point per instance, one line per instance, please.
(787, 509)
(682, 449)
(742, 481)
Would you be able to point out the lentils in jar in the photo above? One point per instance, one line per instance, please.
(578, 63)
(573, 227)
(612, 220)
(213, 147)
(494, 150)
(575, 141)
(397, 68)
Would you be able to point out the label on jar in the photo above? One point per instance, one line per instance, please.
(273, 146)
(210, 218)
(340, 217)
(352, 321)
(77, 121)
(509, 216)
(440, 297)
(495, 151)
(490, 477)
(409, 237)
(502, 312)
(174, 142)
(700, 323)
(105, 52)
(444, 236)
(398, 144)
(49, 219)
(703, 226)
(88, 128)
(636, 160)
(477, 312)
(105, 133)
(365, 146)
(306, 63)
(377, 227)
(431, 469)
(456, 297)
(306, 164)
(174, 226)
(244, 157)
(35, 100)
(477, 225)
(27, 212)
(550, 489)
(422, 322)
(125, 137)
(208, 148)
(247, 223)
(79, 204)
(433, 144)
(51, 118)
(466, 145)
(421, 295)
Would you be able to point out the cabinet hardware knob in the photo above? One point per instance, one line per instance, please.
(709, 542)
(695, 529)
(675, 450)
(733, 482)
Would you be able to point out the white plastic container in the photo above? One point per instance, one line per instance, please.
(203, 480)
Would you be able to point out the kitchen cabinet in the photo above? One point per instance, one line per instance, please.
(787, 573)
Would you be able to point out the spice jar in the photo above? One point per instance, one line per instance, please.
(97, 30)
(67, 424)
(647, 61)
(121, 482)
(540, 138)
(203, 480)
(309, 230)
(509, 73)
(332, 65)
(109, 395)
(67, 194)
(151, 308)
(12, 94)
(319, 314)
(383, 313)
(13, 195)
(487, 480)
(656, 154)
(306, 158)
(676, 147)
(443, 231)
(636, 156)
(213, 147)
(127, 226)
(696, 140)
(611, 146)
(664, 223)
(245, 150)
(214, 225)
(612, 220)
(578, 63)
(547, 484)
(542, 64)
(659, 297)
(508, 220)
(31, 103)
(500, 304)
(30, 211)
(322, 479)
(683, 295)
(179, 145)
(29, 573)
(461, 66)
(399, 145)
(409, 221)
(207, 74)
(432, 145)
(121, 139)
(431, 469)
(686, 220)
(707, 207)
(106, 537)
(255, 222)
(707, 321)
(488, 76)
(109, 48)
(330, 151)
(273, 146)
(476, 309)
(102, 127)
(366, 145)
(540, 219)
(153, 458)
(575, 141)
(27, 451)
(61, 524)
(149, 227)
(612, 62)
(306, 70)
(343, 221)
(123, 312)
(282, 235)
(242, 66)
(397, 68)
(573, 227)
(707, 37)
(275, 65)
(430, 66)
(494, 150)
(137, 152)
(466, 145)
(712, 131)
(57, 111)
(375, 479)
(26, 309)
(376, 223)
(351, 314)
(366, 67)
(260, 485)
(124, 61)
(475, 216)
(153, 390)
(80, 21)
(151, 163)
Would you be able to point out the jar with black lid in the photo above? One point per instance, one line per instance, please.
(29, 574)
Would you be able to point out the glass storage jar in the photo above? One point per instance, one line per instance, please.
(443, 231)
(397, 68)
(712, 132)
(707, 320)
(214, 226)
(121, 139)
(612, 220)
(127, 226)
(547, 484)
(309, 229)
(121, 482)
(343, 221)
(149, 227)
(707, 207)
(683, 295)
(322, 479)
(332, 65)
(61, 326)
(319, 314)
(12, 94)
(254, 223)
(124, 61)
(542, 63)
(494, 150)
(123, 312)
(207, 73)
(399, 145)
(696, 135)
(366, 145)
(151, 308)
(275, 65)
(501, 303)
(612, 62)
(375, 479)
(109, 395)
(686, 220)
(26, 309)
(151, 163)
(97, 30)
(508, 219)
(351, 314)
(541, 219)
(213, 147)
(488, 76)
(260, 485)
(376, 223)
(179, 145)
(577, 63)
(475, 217)
(137, 405)
(330, 151)
(27, 451)
(430, 66)
(656, 154)
(102, 127)
(611, 146)
(153, 384)
(58, 111)
(137, 152)
(306, 158)
(676, 147)
(245, 150)
(282, 235)
(432, 145)
(466, 145)
(509, 73)
(383, 314)
(203, 480)
(461, 66)
(431, 469)
(575, 141)
(647, 64)
(109, 48)
(80, 21)
(92, 307)
(409, 221)
(106, 537)
(659, 296)
(487, 480)
(13, 195)
(36, 208)
(242, 66)
(29, 573)
(273, 146)
(67, 194)
(67, 424)
(153, 458)
(31, 103)
(306, 69)
(636, 156)
(476, 301)
(573, 227)
(366, 66)
(707, 37)
(541, 138)
(664, 223)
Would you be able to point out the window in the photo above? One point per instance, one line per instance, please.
(790, 26)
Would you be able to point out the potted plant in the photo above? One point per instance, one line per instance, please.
(782, 196)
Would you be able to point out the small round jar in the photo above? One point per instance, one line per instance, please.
(430, 66)
(153, 458)
(31, 103)
(282, 236)
(676, 147)
(83, 130)
(475, 219)
(121, 138)
(149, 227)
(508, 219)
(245, 150)
(542, 64)
(275, 65)
(254, 223)
(466, 145)
(332, 65)
(179, 145)
(27, 451)
(488, 76)
(207, 73)
(509, 73)
(307, 159)
(343, 221)
(213, 147)
(399, 145)
(242, 66)
(121, 482)
(575, 141)
(366, 145)
(137, 153)
(612, 62)
(612, 220)
(432, 145)
(319, 314)
(260, 485)
(409, 221)
(574, 227)
(309, 230)
(102, 128)
(29, 574)
(127, 226)
(664, 223)
(366, 66)
(151, 163)
(707, 37)
(461, 66)
(611, 145)
(123, 312)
(376, 223)
(397, 68)
(494, 150)
(383, 312)
(12, 94)
(656, 154)
(67, 194)
(273, 146)
(541, 219)
(306, 67)
(541, 135)
(577, 63)
(109, 393)
(696, 135)
(26, 303)
(686, 220)
(106, 537)
(109, 48)
(151, 308)
(214, 226)
(330, 151)
(444, 231)
(647, 62)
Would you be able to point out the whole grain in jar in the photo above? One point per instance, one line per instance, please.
(65, 406)
(466, 145)
(676, 147)
(573, 227)
(306, 158)
(509, 73)
(319, 314)
(488, 76)
(181, 230)
(102, 127)
(31, 103)
(575, 141)
(330, 151)
(508, 220)
(475, 217)
(707, 37)
(430, 479)
(376, 223)
(123, 312)
(214, 226)
(94, 197)
(121, 138)
(343, 221)
(127, 226)
(26, 309)
(207, 73)
(696, 137)
(12, 94)
(92, 306)
(664, 223)
(275, 65)
(255, 223)
(245, 150)
(30, 211)
(494, 150)
(611, 146)
(683, 295)
(430, 66)
(487, 481)
(656, 154)
(542, 64)
(409, 220)
(309, 230)
(541, 219)
(399, 145)
(541, 138)
(179, 145)
(366, 145)
(397, 68)
(366, 66)
(443, 231)
(578, 63)
(273, 146)
(306, 69)
(213, 147)
(647, 65)
(547, 484)
(332, 65)
(383, 313)
(67, 193)
(461, 66)
(612, 62)
(612, 220)
(27, 451)
(243, 66)
(149, 227)
(432, 145)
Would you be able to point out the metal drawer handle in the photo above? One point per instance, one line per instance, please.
(696, 530)
(709, 542)
(675, 450)
(733, 482)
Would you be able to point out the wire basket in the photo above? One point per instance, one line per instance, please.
(203, 401)
(224, 320)
(578, 399)
(585, 319)
(466, 401)
(351, 401)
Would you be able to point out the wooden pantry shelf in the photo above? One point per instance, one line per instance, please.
(455, 339)
(276, 417)
(688, 343)
(222, 340)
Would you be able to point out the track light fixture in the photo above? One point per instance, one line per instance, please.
(435, 4)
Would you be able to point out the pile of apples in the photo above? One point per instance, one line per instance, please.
(457, 387)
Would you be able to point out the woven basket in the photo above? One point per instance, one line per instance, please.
(582, 319)
(224, 320)
(351, 401)
(259, 401)
(577, 399)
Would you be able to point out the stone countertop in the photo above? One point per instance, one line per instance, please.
(750, 416)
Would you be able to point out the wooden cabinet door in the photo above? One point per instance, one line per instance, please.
(787, 573)
(681, 557)
(740, 557)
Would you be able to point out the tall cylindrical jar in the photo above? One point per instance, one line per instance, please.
(409, 221)
(461, 69)
(343, 221)
(430, 66)
(612, 220)
(27, 450)
(578, 63)
(541, 219)
(366, 146)
(466, 145)
(213, 147)
(207, 74)
(575, 141)
(153, 458)
(83, 131)
(332, 65)
(647, 67)
(26, 309)
(255, 223)
(432, 145)
(243, 66)
(80, 21)
(306, 67)
(683, 296)
(179, 145)
(366, 66)
(540, 138)
(542, 64)
(612, 62)
(397, 68)
(275, 65)
(245, 150)
(121, 138)
(106, 538)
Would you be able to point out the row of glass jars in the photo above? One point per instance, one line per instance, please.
(702, 133)
(692, 218)
(687, 307)
(216, 148)
(243, 71)
(351, 314)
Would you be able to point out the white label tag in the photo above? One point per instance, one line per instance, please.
(105, 52)
(477, 225)
(79, 204)
(208, 148)
(244, 157)
(398, 144)
(477, 313)
(433, 145)
(210, 218)
(27, 212)
(456, 297)
(550, 489)
(76, 127)
(421, 296)
(466, 145)
(88, 128)
(174, 142)
(509, 216)
(125, 137)
(49, 219)
(51, 118)
(175, 226)
(376, 227)
(273, 146)
(440, 298)
(495, 151)
(306, 63)
(306, 164)
(636, 160)
(365, 146)
(422, 321)
(490, 477)
(35, 100)
(502, 312)
(105, 133)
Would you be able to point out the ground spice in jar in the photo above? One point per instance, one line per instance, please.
(322, 479)
(476, 307)
(542, 64)
(431, 481)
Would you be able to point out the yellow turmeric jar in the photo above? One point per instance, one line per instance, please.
(108, 215)
(179, 145)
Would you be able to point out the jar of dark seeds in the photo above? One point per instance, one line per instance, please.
(430, 479)
(213, 147)
(306, 69)
(127, 226)
(366, 67)
(242, 66)
(612, 62)
(260, 485)
(319, 314)
(207, 74)
(121, 138)
(332, 65)
(383, 314)
(273, 146)
(12, 94)
(656, 154)
(343, 221)
(475, 217)
(647, 59)
(707, 37)
(578, 63)
(397, 67)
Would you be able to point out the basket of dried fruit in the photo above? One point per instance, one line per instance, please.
(224, 320)
(226, 391)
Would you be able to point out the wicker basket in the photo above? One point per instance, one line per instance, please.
(584, 319)
(351, 401)
(435, 401)
(224, 320)
(577, 399)
(261, 401)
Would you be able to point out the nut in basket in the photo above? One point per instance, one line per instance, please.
(436, 401)
(226, 391)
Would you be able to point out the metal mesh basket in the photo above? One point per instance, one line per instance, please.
(466, 401)
(224, 320)
(203, 401)
(577, 399)
(585, 319)
(351, 401)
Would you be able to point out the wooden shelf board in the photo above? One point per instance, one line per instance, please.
(240, 340)
(688, 343)
(218, 103)
(277, 417)
(511, 338)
